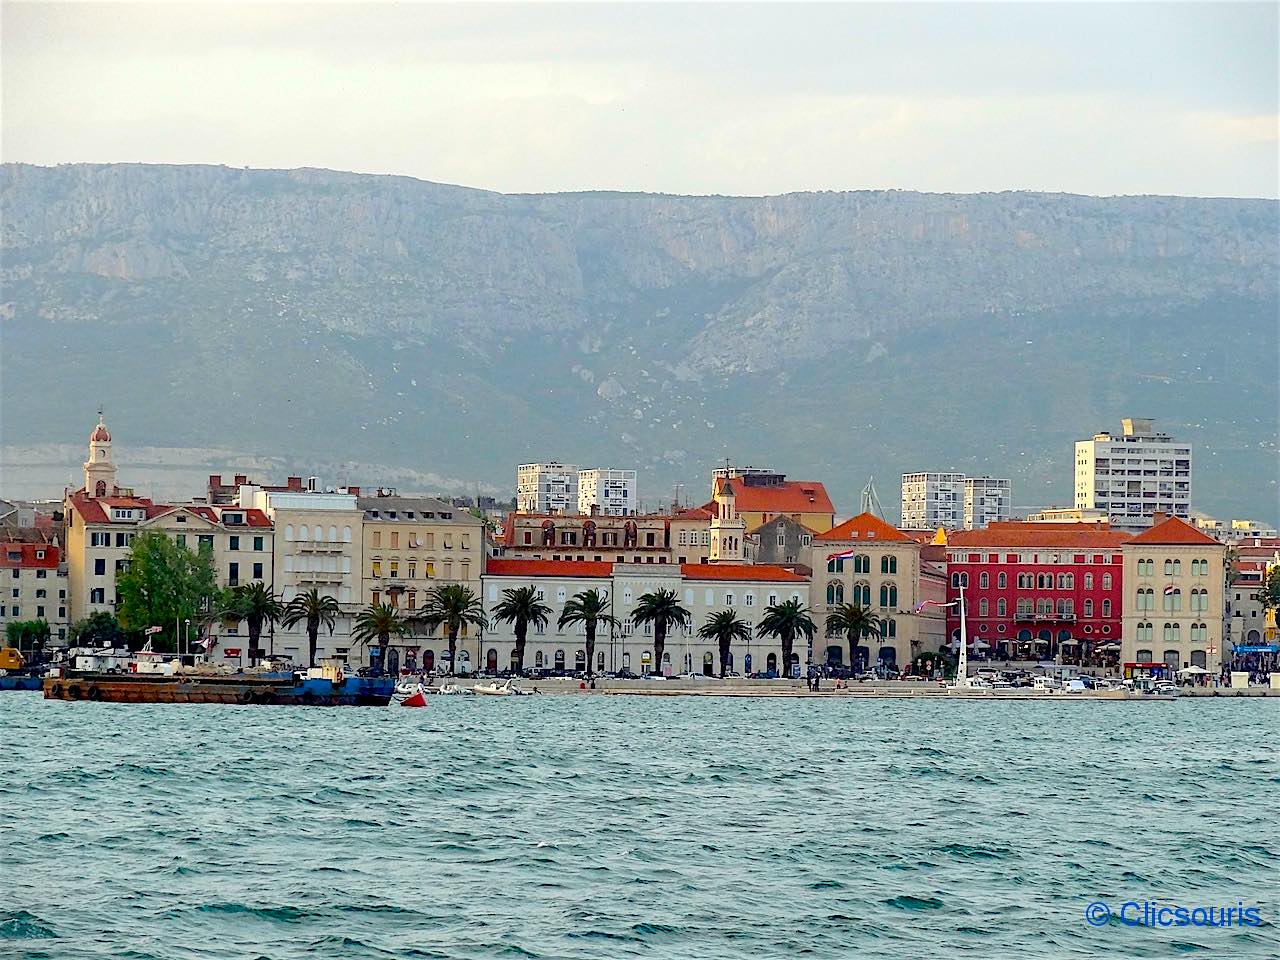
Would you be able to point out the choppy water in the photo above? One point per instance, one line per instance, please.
(610, 827)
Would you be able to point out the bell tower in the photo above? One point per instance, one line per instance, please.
(728, 530)
(99, 471)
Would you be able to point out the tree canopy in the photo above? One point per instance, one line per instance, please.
(164, 585)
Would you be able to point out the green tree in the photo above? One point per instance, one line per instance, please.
(165, 585)
(100, 629)
(1269, 596)
(724, 627)
(854, 622)
(787, 621)
(520, 607)
(452, 606)
(257, 606)
(28, 637)
(315, 610)
(591, 609)
(380, 622)
(663, 610)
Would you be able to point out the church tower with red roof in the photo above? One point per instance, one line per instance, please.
(99, 471)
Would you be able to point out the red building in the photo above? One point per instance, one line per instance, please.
(1036, 590)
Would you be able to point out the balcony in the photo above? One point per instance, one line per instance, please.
(319, 576)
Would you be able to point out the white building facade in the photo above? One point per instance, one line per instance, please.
(607, 491)
(702, 589)
(1134, 475)
(954, 501)
(550, 487)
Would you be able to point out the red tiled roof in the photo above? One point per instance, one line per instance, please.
(792, 496)
(24, 555)
(1174, 531)
(739, 571)
(1016, 533)
(503, 567)
(92, 509)
(693, 513)
(865, 526)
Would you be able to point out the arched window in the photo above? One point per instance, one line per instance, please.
(1177, 568)
(862, 593)
(303, 533)
(319, 534)
(1106, 608)
(888, 628)
(982, 607)
(1144, 656)
(537, 660)
(835, 592)
(862, 563)
(346, 534)
(1106, 581)
(559, 659)
(1002, 608)
(288, 531)
(1088, 581)
(1088, 608)
(889, 595)
(1002, 581)
(888, 564)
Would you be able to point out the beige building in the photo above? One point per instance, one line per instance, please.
(1173, 597)
(761, 494)
(651, 538)
(102, 520)
(875, 565)
(410, 545)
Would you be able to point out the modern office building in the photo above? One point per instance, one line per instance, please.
(1133, 475)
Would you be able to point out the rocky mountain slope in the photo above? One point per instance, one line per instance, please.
(332, 317)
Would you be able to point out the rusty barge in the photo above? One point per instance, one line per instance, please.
(243, 689)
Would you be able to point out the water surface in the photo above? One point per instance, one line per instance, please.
(611, 827)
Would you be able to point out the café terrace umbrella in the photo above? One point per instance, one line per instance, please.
(1193, 671)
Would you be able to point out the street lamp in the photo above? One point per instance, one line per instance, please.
(186, 635)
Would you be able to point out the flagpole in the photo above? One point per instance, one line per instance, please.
(962, 667)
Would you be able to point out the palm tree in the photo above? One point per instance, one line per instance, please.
(381, 622)
(855, 622)
(590, 608)
(520, 606)
(724, 628)
(662, 610)
(316, 611)
(257, 605)
(787, 621)
(452, 606)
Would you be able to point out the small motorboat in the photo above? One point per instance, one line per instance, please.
(452, 690)
(496, 689)
(407, 688)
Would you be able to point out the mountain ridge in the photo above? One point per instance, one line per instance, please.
(616, 326)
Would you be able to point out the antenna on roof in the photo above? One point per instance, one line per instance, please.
(871, 502)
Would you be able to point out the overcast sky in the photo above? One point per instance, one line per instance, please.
(716, 98)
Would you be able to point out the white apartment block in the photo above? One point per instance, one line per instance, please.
(1134, 475)
(954, 501)
(607, 491)
(1234, 531)
(987, 500)
(547, 487)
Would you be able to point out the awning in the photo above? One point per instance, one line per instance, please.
(1193, 671)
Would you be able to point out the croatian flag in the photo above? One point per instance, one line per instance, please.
(841, 556)
(1168, 591)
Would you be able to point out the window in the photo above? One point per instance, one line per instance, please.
(377, 568)
(835, 565)
(835, 593)
(984, 580)
(888, 595)
(862, 563)
(233, 573)
(1002, 607)
(99, 567)
(983, 607)
(888, 564)
(233, 543)
(1088, 581)
(1106, 581)
(96, 595)
(257, 543)
(1002, 581)
(99, 539)
(205, 541)
(1088, 608)
(749, 599)
(257, 571)
(1168, 570)
(375, 538)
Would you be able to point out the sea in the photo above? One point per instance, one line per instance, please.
(651, 827)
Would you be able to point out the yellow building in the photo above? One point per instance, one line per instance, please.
(1173, 597)
(762, 495)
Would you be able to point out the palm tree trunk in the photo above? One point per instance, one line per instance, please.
(659, 643)
(591, 645)
(853, 652)
(787, 644)
(453, 651)
(522, 633)
(313, 633)
(383, 640)
(724, 655)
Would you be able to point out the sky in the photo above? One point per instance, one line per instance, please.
(715, 98)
